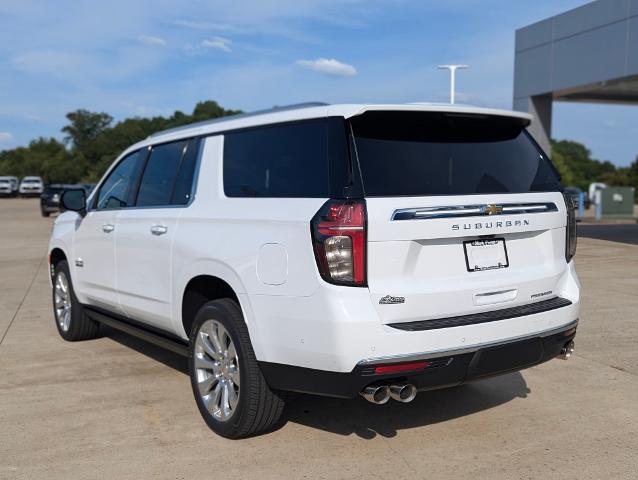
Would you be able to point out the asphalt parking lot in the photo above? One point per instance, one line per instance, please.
(623, 233)
(116, 407)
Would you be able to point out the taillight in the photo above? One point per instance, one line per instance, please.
(570, 238)
(339, 240)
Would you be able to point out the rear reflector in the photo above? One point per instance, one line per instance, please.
(401, 367)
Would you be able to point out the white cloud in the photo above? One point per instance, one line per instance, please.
(152, 41)
(219, 43)
(329, 66)
(195, 25)
(6, 137)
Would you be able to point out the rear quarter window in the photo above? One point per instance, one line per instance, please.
(286, 160)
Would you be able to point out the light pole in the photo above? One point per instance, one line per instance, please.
(452, 69)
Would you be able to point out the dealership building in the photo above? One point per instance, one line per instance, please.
(589, 54)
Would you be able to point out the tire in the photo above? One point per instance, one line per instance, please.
(72, 323)
(257, 408)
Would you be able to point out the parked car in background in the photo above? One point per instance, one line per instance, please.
(50, 198)
(31, 187)
(6, 187)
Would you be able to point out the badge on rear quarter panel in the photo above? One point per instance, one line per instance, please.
(390, 300)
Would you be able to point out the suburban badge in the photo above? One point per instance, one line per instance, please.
(390, 300)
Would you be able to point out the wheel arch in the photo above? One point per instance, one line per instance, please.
(210, 281)
(200, 290)
(56, 255)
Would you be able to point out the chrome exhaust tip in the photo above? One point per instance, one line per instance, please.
(378, 394)
(403, 392)
(567, 351)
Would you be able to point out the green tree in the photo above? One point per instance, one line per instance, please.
(84, 127)
(576, 158)
(45, 157)
(566, 174)
(210, 109)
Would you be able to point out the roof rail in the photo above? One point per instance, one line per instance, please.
(295, 106)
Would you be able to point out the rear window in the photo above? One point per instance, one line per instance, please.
(434, 153)
(287, 160)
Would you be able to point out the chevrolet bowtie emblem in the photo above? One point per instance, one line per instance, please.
(492, 209)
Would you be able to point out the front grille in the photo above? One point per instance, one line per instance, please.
(493, 316)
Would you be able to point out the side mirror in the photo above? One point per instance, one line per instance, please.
(74, 200)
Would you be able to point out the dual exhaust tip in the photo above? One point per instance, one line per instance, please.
(406, 392)
(567, 350)
(380, 394)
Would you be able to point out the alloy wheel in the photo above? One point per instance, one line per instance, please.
(62, 302)
(217, 370)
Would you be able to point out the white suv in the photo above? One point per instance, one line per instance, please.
(31, 187)
(337, 250)
(7, 187)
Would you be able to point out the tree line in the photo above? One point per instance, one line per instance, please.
(91, 142)
(577, 167)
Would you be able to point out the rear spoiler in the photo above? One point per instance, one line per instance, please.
(523, 118)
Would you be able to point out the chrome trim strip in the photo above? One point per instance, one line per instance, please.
(456, 211)
(459, 351)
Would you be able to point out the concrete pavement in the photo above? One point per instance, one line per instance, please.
(116, 407)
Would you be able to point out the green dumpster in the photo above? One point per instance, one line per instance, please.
(617, 202)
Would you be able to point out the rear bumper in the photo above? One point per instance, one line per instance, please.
(446, 369)
(337, 327)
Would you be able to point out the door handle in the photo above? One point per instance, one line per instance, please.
(108, 228)
(159, 230)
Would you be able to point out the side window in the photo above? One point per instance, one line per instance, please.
(159, 175)
(184, 181)
(117, 190)
(288, 160)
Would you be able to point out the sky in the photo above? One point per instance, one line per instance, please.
(152, 57)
